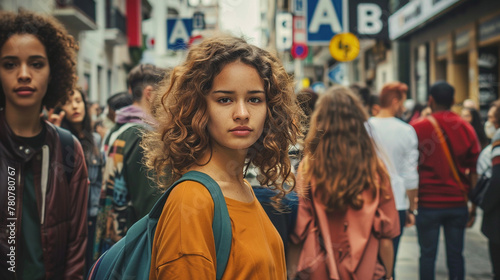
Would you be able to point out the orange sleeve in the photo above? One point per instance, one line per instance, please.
(183, 246)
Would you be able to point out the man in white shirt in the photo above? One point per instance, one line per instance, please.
(397, 145)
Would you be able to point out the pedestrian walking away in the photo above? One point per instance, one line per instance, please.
(448, 152)
(398, 147)
(347, 217)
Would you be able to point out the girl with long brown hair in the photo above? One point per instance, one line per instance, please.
(230, 104)
(347, 208)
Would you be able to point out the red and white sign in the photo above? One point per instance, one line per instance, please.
(195, 40)
(300, 51)
(299, 47)
(299, 30)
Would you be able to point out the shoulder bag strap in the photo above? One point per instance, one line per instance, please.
(447, 153)
(319, 214)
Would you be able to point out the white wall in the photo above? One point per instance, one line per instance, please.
(241, 18)
(93, 56)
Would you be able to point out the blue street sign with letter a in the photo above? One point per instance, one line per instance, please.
(324, 20)
(179, 31)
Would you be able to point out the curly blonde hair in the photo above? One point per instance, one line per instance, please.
(182, 137)
(339, 154)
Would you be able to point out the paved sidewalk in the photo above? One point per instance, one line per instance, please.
(476, 255)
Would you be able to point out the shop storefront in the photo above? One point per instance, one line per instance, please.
(488, 56)
(456, 41)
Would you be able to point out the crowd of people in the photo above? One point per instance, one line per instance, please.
(333, 206)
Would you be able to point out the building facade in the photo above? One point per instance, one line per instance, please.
(453, 40)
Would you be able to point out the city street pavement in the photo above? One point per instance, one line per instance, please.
(477, 263)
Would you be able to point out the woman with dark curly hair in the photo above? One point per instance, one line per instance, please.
(42, 168)
(230, 104)
(347, 216)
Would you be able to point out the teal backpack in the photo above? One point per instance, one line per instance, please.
(130, 258)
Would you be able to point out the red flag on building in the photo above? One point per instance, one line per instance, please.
(134, 21)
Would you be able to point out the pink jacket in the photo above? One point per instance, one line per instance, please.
(351, 251)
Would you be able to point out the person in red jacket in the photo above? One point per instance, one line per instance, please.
(43, 206)
(442, 199)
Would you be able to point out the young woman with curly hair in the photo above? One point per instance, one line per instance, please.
(44, 205)
(346, 197)
(230, 104)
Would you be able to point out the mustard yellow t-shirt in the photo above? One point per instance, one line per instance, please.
(184, 247)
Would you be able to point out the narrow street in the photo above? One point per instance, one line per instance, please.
(477, 261)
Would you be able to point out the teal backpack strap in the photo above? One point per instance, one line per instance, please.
(221, 225)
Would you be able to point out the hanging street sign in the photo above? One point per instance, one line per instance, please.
(344, 47)
(336, 73)
(368, 19)
(299, 30)
(324, 20)
(300, 51)
(179, 32)
(284, 31)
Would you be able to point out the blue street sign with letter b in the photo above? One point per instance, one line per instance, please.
(324, 20)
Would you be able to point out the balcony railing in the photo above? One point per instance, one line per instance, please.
(116, 20)
(76, 15)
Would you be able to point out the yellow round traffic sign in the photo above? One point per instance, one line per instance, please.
(344, 47)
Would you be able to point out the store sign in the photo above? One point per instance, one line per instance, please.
(462, 40)
(415, 13)
(488, 77)
(178, 33)
(489, 29)
(324, 20)
(368, 18)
